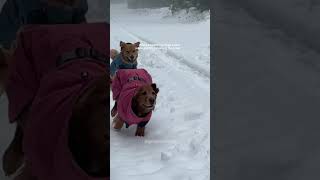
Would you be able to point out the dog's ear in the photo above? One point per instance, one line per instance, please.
(154, 86)
(137, 44)
(122, 44)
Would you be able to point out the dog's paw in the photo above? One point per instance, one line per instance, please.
(140, 131)
(117, 123)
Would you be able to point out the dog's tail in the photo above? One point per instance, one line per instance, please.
(113, 53)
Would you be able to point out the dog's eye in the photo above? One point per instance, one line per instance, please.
(144, 93)
(127, 51)
(133, 51)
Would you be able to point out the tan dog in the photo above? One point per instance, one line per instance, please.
(128, 51)
(142, 104)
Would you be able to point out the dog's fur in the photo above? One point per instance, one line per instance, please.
(142, 104)
(88, 133)
(128, 51)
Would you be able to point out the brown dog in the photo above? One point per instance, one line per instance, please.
(88, 130)
(142, 104)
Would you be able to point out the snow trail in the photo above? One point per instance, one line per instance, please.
(176, 145)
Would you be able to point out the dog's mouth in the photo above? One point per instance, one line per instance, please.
(148, 107)
(131, 60)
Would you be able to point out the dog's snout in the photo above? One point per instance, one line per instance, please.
(132, 57)
(151, 100)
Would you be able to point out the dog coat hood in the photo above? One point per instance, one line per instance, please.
(118, 63)
(124, 87)
(47, 92)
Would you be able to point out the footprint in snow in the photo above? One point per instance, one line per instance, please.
(165, 156)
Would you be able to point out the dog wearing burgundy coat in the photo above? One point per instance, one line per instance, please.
(57, 89)
(136, 95)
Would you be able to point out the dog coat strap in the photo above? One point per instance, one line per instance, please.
(136, 78)
(80, 53)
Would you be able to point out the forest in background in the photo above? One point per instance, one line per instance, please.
(175, 5)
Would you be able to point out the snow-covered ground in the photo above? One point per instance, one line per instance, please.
(176, 145)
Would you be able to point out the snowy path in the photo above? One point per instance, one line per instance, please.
(176, 145)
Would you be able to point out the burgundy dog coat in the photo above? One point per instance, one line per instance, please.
(124, 87)
(47, 92)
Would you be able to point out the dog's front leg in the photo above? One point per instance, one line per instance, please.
(140, 131)
(140, 128)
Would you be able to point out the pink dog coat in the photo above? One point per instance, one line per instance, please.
(124, 87)
(47, 92)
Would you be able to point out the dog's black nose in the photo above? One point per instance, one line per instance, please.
(132, 57)
(151, 100)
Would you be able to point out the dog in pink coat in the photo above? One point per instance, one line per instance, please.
(135, 95)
